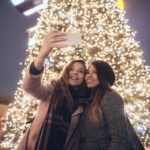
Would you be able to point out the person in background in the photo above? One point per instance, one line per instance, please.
(103, 125)
(55, 125)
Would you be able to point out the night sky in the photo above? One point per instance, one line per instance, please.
(13, 38)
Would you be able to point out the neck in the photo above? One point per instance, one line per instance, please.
(74, 87)
(74, 91)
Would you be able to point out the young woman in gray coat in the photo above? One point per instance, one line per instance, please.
(103, 125)
(60, 107)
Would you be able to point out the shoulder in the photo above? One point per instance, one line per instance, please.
(53, 85)
(113, 97)
(112, 94)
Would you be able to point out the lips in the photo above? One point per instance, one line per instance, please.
(89, 80)
(74, 78)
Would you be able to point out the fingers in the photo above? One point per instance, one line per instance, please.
(58, 37)
(53, 40)
(59, 45)
(56, 33)
(55, 36)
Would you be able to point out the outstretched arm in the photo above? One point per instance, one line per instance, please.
(32, 81)
(49, 42)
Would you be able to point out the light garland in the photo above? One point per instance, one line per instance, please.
(106, 35)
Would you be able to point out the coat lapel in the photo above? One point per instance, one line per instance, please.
(73, 126)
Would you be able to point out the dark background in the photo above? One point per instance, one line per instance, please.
(14, 38)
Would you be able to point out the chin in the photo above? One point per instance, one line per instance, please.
(74, 84)
(90, 86)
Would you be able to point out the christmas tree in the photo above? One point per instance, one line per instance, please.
(107, 36)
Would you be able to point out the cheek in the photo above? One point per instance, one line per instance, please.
(70, 72)
(96, 83)
(82, 77)
(96, 78)
(86, 76)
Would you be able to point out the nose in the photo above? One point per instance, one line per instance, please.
(89, 75)
(75, 72)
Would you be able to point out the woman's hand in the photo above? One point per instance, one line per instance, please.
(50, 41)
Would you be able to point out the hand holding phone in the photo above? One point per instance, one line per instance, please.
(73, 38)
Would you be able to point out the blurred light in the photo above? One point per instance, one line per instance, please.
(28, 7)
(33, 10)
(121, 4)
(31, 42)
(16, 2)
(140, 129)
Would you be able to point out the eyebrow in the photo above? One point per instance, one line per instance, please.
(91, 70)
(79, 67)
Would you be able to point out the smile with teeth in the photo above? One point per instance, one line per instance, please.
(74, 78)
(89, 80)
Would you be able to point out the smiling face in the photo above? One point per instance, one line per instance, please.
(91, 77)
(76, 74)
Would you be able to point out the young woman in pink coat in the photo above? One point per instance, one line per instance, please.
(55, 126)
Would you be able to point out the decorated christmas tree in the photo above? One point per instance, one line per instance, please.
(107, 36)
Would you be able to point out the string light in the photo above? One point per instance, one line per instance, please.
(106, 35)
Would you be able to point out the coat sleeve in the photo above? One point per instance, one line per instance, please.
(32, 84)
(113, 109)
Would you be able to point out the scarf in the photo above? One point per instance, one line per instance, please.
(56, 124)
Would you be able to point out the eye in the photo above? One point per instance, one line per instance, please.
(82, 71)
(71, 68)
(87, 72)
(91, 71)
(94, 71)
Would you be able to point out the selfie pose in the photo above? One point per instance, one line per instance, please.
(56, 122)
(103, 125)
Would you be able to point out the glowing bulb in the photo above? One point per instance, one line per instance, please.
(121, 4)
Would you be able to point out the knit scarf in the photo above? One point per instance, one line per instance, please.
(55, 127)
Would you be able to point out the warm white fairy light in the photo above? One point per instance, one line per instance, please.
(106, 35)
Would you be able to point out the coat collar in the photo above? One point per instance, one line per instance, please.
(78, 111)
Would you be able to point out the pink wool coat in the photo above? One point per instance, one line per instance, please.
(32, 85)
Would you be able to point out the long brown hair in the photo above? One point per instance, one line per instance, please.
(106, 77)
(62, 84)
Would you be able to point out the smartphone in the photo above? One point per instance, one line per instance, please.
(73, 38)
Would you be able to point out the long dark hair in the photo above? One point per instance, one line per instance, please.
(106, 77)
(62, 84)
